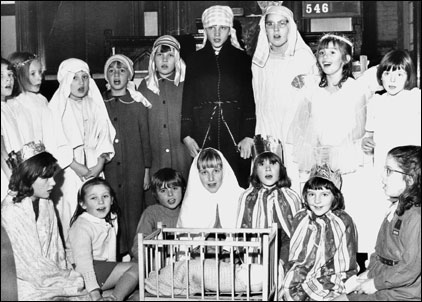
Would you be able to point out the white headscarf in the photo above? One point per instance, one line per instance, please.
(180, 66)
(59, 102)
(219, 15)
(199, 206)
(294, 38)
(136, 95)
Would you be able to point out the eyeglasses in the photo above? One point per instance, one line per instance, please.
(279, 24)
(388, 171)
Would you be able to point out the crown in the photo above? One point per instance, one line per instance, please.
(325, 172)
(28, 150)
(267, 144)
(21, 64)
(264, 4)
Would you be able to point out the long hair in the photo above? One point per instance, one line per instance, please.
(283, 179)
(345, 49)
(15, 88)
(319, 183)
(21, 61)
(42, 165)
(167, 177)
(408, 159)
(395, 60)
(114, 208)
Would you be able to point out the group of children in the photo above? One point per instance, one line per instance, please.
(125, 134)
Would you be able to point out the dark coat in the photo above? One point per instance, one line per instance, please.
(225, 78)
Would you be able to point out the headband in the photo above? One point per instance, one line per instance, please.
(336, 37)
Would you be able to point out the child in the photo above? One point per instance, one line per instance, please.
(280, 55)
(394, 272)
(212, 193)
(11, 139)
(329, 126)
(393, 114)
(92, 243)
(78, 109)
(269, 199)
(323, 246)
(129, 171)
(163, 87)
(168, 187)
(28, 215)
(218, 108)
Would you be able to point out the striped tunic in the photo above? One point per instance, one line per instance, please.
(322, 256)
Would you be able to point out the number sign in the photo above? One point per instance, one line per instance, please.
(330, 9)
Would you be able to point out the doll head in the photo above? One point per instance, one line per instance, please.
(396, 72)
(334, 55)
(268, 170)
(29, 71)
(210, 167)
(168, 187)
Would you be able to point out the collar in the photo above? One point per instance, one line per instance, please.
(126, 97)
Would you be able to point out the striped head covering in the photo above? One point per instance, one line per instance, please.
(180, 66)
(294, 39)
(219, 15)
(136, 95)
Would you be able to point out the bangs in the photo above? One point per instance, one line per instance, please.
(172, 183)
(318, 183)
(210, 163)
(117, 64)
(164, 48)
(49, 171)
(270, 156)
(394, 67)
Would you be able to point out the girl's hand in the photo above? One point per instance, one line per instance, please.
(95, 295)
(192, 146)
(368, 145)
(147, 179)
(367, 287)
(97, 169)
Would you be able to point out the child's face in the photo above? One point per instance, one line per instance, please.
(319, 201)
(268, 172)
(42, 187)
(330, 59)
(277, 30)
(79, 86)
(35, 76)
(217, 35)
(394, 81)
(211, 178)
(7, 81)
(165, 63)
(393, 179)
(118, 76)
(97, 201)
(169, 196)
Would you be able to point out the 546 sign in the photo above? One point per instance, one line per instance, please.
(327, 9)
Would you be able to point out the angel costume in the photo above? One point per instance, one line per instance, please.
(39, 254)
(201, 208)
(87, 128)
(275, 97)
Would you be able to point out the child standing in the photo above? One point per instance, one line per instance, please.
(269, 199)
(29, 217)
(392, 115)
(78, 109)
(168, 187)
(329, 126)
(323, 246)
(129, 171)
(92, 243)
(163, 87)
(212, 193)
(394, 272)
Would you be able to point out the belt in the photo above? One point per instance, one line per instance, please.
(387, 261)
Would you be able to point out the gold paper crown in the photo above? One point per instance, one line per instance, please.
(267, 144)
(28, 150)
(325, 172)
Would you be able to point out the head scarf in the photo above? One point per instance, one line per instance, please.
(136, 95)
(58, 104)
(294, 39)
(199, 206)
(219, 15)
(180, 66)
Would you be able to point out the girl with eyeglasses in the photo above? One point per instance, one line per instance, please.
(394, 272)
